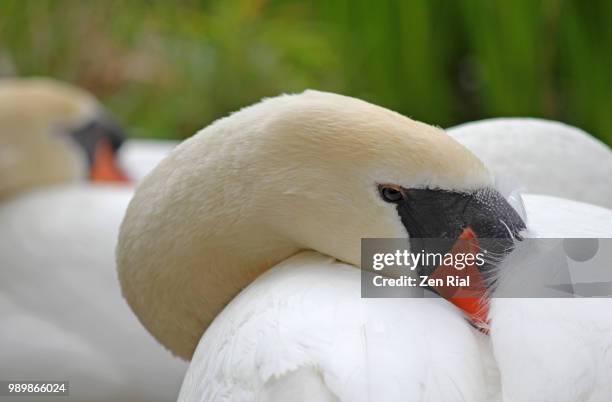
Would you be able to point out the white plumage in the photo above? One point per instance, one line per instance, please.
(302, 326)
(547, 157)
(302, 330)
(62, 314)
(551, 349)
(556, 349)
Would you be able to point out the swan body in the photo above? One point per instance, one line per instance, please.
(547, 157)
(553, 217)
(565, 342)
(63, 317)
(555, 349)
(301, 332)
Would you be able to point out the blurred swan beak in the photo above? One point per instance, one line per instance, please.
(104, 165)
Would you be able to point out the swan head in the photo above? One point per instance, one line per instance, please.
(314, 171)
(51, 132)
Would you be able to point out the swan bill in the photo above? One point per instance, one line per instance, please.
(100, 140)
(458, 222)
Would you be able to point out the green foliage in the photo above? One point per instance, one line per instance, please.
(169, 68)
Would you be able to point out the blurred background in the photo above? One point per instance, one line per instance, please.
(166, 69)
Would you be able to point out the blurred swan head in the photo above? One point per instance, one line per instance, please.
(51, 133)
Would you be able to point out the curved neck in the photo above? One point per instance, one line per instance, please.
(190, 275)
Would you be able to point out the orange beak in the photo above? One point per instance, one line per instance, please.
(472, 299)
(104, 167)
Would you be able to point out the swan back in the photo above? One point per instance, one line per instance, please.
(548, 157)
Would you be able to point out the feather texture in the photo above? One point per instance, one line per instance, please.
(547, 157)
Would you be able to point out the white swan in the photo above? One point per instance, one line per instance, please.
(62, 314)
(548, 157)
(253, 193)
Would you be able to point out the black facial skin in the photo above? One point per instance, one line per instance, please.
(101, 128)
(435, 219)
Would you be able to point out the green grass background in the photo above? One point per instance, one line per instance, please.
(166, 69)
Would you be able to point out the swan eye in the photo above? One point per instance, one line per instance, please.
(390, 193)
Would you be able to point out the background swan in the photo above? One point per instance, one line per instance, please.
(312, 171)
(62, 314)
(547, 157)
(54, 133)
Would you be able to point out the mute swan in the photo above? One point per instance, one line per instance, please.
(287, 188)
(53, 133)
(548, 157)
(546, 350)
(62, 314)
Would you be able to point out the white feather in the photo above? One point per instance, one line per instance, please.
(61, 309)
(304, 323)
(555, 349)
(548, 157)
